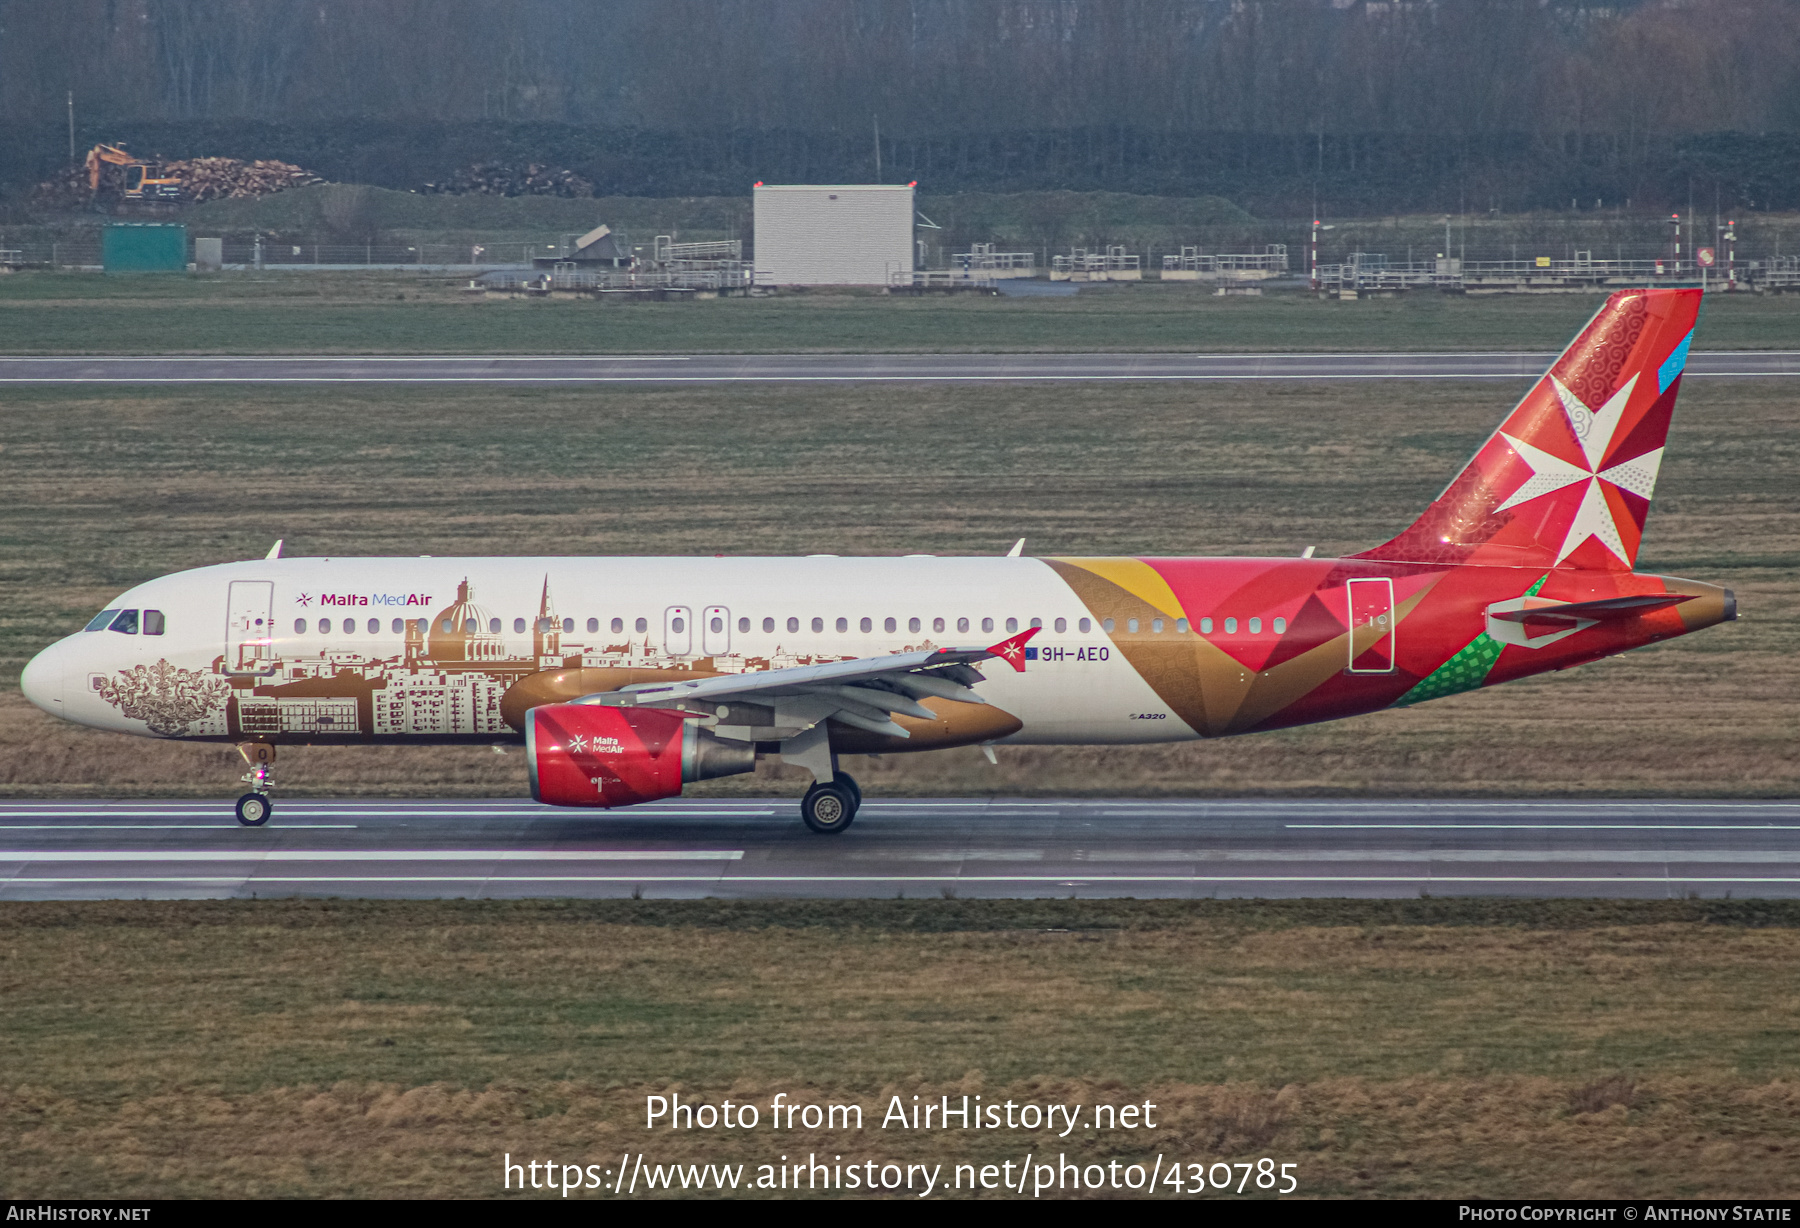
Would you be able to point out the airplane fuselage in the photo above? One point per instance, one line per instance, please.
(1129, 650)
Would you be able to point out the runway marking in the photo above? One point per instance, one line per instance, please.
(379, 855)
(1058, 880)
(1544, 826)
(162, 827)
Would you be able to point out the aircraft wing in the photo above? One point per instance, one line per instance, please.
(864, 692)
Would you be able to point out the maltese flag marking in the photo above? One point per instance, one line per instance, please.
(1012, 649)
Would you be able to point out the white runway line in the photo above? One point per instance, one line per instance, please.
(1544, 826)
(944, 879)
(265, 855)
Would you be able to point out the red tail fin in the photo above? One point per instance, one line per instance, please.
(1566, 480)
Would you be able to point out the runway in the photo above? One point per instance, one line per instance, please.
(827, 368)
(924, 848)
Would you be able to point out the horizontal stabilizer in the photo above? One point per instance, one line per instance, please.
(1595, 611)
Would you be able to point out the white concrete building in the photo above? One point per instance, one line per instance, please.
(820, 235)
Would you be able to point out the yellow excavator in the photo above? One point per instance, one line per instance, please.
(140, 184)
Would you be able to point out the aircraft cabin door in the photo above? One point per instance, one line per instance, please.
(715, 631)
(678, 631)
(250, 627)
(1371, 626)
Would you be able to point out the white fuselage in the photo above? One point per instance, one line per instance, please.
(423, 648)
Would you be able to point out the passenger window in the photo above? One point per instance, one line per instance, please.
(889, 625)
(518, 626)
(642, 624)
(743, 624)
(937, 624)
(1231, 626)
(1062, 624)
(987, 624)
(350, 626)
(962, 624)
(678, 625)
(1181, 625)
(470, 626)
(1281, 626)
(1037, 622)
(593, 625)
(324, 626)
(867, 625)
(843, 624)
(1256, 626)
(818, 624)
(1085, 625)
(299, 626)
(153, 622)
(1156, 625)
(447, 627)
(1012, 624)
(768, 624)
(375, 626)
(618, 625)
(1108, 623)
(1131, 624)
(1206, 626)
(912, 624)
(793, 624)
(126, 623)
(101, 621)
(568, 626)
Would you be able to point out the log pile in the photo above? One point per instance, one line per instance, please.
(502, 179)
(227, 178)
(201, 179)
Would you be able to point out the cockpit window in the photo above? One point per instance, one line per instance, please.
(126, 623)
(102, 620)
(153, 622)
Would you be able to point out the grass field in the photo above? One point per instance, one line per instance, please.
(1423, 1048)
(45, 313)
(110, 487)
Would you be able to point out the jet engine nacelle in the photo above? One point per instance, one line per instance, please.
(591, 755)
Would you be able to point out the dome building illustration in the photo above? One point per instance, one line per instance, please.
(465, 631)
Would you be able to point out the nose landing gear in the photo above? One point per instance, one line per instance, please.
(255, 807)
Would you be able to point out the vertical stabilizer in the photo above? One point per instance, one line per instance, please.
(1566, 481)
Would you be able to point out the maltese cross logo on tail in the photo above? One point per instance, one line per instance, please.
(1598, 515)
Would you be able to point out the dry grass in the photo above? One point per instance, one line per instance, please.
(110, 488)
(387, 1049)
(306, 313)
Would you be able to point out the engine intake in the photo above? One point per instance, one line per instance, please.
(591, 755)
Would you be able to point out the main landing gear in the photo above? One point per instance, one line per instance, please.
(255, 807)
(831, 807)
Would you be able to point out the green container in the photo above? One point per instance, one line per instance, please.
(145, 247)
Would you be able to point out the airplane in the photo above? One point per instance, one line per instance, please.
(627, 678)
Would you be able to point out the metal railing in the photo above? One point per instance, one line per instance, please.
(607, 281)
(1114, 263)
(982, 256)
(1272, 261)
(666, 251)
(940, 279)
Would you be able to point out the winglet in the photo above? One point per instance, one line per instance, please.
(1017, 550)
(1012, 649)
(274, 551)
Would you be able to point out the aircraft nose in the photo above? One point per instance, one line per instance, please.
(42, 680)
